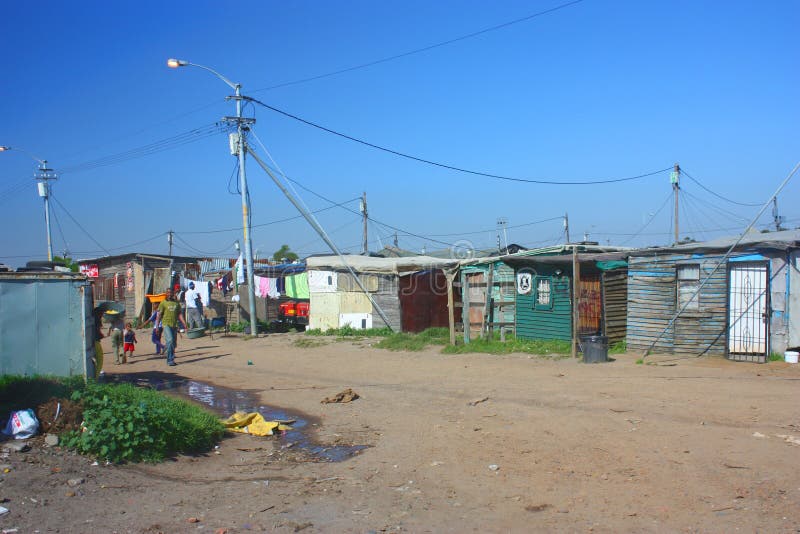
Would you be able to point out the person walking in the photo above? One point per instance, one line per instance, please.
(115, 331)
(169, 314)
(194, 307)
(157, 331)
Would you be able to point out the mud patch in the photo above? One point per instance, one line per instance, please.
(59, 415)
(225, 401)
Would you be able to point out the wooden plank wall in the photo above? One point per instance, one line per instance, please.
(546, 324)
(652, 295)
(615, 304)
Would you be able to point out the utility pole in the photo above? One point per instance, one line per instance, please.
(169, 240)
(43, 176)
(242, 127)
(237, 147)
(675, 177)
(776, 216)
(502, 222)
(365, 247)
(566, 226)
(396, 243)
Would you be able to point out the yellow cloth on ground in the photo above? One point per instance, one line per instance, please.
(253, 423)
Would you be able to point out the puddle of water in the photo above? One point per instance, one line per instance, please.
(224, 401)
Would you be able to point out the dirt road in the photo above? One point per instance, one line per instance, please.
(454, 444)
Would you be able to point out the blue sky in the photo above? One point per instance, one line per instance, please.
(597, 90)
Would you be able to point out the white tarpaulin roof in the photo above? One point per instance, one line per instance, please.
(369, 264)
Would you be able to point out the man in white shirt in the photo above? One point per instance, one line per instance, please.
(194, 310)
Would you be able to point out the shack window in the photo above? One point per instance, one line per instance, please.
(688, 282)
(544, 295)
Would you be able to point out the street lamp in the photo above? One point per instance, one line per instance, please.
(237, 143)
(43, 176)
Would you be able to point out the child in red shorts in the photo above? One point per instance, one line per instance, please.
(129, 339)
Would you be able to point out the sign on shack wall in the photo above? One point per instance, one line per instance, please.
(91, 270)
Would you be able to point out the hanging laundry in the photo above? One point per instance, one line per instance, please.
(261, 286)
(297, 286)
(322, 281)
(202, 290)
(272, 288)
(239, 269)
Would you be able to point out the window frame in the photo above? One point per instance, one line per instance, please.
(686, 283)
(536, 304)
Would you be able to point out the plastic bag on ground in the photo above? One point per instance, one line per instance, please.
(22, 424)
(253, 423)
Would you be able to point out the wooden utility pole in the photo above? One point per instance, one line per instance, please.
(169, 240)
(675, 178)
(576, 277)
(566, 226)
(451, 312)
(365, 248)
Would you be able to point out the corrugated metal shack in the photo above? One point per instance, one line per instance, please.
(743, 312)
(46, 324)
(336, 300)
(545, 292)
(127, 278)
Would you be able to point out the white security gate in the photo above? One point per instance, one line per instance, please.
(747, 312)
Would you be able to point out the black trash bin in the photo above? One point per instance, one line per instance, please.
(594, 348)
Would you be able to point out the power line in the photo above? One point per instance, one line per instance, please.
(277, 221)
(669, 196)
(452, 167)
(79, 224)
(419, 50)
(683, 171)
(152, 148)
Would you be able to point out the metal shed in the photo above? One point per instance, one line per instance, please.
(342, 302)
(46, 324)
(549, 302)
(743, 311)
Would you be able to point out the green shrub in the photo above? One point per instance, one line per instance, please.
(776, 357)
(238, 327)
(349, 331)
(620, 347)
(527, 346)
(123, 423)
(415, 342)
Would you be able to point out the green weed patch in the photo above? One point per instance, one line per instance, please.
(123, 423)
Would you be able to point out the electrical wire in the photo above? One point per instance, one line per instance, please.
(452, 167)
(58, 226)
(79, 225)
(718, 209)
(419, 50)
(188, 246)
(152, 148)
(12, 191)
(653, 216)
(150, 127)
(231, 179)
(277, 221)
(559, 218)
(695, 180)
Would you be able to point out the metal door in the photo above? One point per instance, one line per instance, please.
(747, 312)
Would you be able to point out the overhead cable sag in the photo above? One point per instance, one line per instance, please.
(453, 167)
(695, 180)
(420, 50)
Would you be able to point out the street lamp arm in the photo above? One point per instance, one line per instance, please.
(9, 148)
(176, 63)
(232, 85)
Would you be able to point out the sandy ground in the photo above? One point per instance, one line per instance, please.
(695, 445)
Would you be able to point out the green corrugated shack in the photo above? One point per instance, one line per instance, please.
(544, 292)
